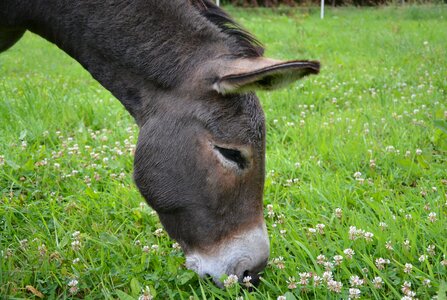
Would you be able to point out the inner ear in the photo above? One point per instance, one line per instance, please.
(263, 74)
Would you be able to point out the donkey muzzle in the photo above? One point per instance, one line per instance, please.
(244, 254)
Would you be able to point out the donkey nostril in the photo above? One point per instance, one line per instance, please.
(254, 277)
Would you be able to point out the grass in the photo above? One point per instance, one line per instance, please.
(363, 144)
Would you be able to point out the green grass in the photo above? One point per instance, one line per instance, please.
(66, 161)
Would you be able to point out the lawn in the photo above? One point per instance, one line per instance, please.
(356, 181)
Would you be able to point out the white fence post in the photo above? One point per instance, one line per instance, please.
(322, 9)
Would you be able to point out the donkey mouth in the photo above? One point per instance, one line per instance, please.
(243, 256)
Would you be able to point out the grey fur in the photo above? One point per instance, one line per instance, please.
(160, 59)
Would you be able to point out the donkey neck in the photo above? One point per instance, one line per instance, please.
(125, 45)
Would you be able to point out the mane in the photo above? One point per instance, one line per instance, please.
(248, 45)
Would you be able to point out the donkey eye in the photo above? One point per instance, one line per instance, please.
(233, 155)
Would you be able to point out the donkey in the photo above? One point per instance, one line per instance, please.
(187, 73)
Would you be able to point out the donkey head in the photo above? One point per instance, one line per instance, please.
(200, 163)
(186, 71)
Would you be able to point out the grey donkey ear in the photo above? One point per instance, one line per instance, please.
(262, 74)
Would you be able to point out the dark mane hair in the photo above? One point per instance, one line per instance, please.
(249, 46)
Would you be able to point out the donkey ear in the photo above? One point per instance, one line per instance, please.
(263, 74)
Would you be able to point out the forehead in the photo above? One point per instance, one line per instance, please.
(236, 118)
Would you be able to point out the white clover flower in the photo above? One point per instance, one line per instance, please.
(76, 260)
(334, 286)
(432, 217)
(354, 293)
(24, 244)
(444, 262)
(158, 232)
(328, 266)
(327, 276)
(304, 278)
(390, 149)
(281, 218)
(431, 250)
(406, 289)
(247, 281)
(354, 280)
(408, 267)
(349, 253)
(76, 245)
(146, 294)
(352, 233)
(291, 283)
(7, 253)
(289, 182)
(281, 298)
(368, 236)
(338, 259)
(383, 226)
(426, 282)
(381, 262)
(407, 244)
(42, 250)
(279, 262)
(338, 212)
(76, 235)
(418, 151)
(422, 258)
(317, 280)
(73, 284)
(312, 230)
(378, 282)
(320, 228)
(411, 294)
(270, 212)
(355, 233)
(321, 259)
(389, 246)
(146, 249)
(230, 281)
